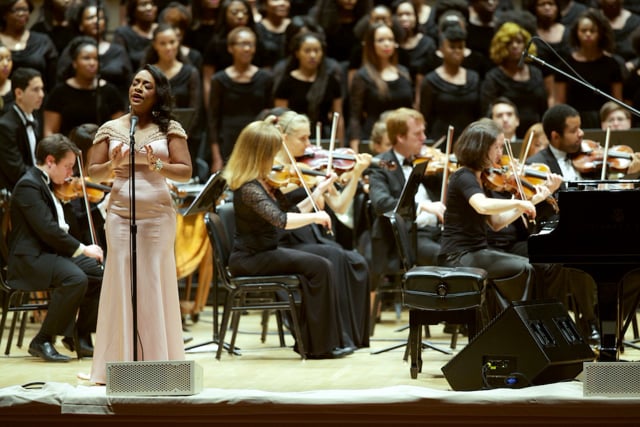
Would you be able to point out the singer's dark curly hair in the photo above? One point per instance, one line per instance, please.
(161, 112)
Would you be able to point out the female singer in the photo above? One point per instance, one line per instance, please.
(260, 212)
(161, 153)
(469, 210)
(351, 269)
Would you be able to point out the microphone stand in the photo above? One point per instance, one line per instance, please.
(581, 82)
(133, 231)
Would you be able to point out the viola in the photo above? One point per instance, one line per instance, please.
(591, 157)
(72, 189)
(343, 159)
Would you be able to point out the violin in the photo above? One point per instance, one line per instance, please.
(344, 159)
(437, 160)
(591, 156)
(500, 178)
(72, 189)
(282, 175)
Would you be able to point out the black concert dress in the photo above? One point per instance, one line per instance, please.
(259, 220)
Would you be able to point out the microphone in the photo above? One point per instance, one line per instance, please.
(524, 53)
(134, 122)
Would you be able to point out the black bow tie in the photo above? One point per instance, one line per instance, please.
(407, 162)
(31, 123)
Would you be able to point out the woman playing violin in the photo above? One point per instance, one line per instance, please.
(469, 211)
(260, 212)
(350, 267)
(296, 133)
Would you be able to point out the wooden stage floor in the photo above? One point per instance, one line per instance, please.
(267, 384)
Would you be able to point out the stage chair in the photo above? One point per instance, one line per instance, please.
(20, 303)
(249, 292)
(434, 294)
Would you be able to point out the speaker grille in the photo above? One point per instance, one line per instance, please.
(614, 379)
(171, 378)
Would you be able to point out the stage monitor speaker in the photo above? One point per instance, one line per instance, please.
(157, 378)
(529, 343)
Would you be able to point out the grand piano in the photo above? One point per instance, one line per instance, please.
(597, 231)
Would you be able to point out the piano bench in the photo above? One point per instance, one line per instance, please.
(435, 294)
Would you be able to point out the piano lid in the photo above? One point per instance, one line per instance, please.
(594, 226)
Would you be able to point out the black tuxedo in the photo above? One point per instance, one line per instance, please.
(544, 210)
(385, 188)
(15, 151)
(40, 256)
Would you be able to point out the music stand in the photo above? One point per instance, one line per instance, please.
(205, 201)
(406, 207)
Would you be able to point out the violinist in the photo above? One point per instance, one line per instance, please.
(562, 126)
(42, 254)
(616, 117)
(350, 268)
(470, 210)
(406, 131)
(261, 212)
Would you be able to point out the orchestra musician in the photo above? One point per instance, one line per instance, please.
(261, 211)
(406, 132)
(42, 254)
(161, 153)
(470, 210)
(350, 267)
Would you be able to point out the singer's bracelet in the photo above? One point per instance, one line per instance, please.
(158, 165)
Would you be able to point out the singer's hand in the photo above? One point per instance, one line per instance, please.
(118, 155)
(151, 158)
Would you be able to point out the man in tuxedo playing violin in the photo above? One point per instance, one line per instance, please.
(43, 255)
(406, 131)
(18, 129)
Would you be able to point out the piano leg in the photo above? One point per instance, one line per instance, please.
(609, 297)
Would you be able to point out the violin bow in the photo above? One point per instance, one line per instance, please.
(603, 174)
(318, 133)
(302, 182)
(332, 142)
(525, 153)
(92, 229)
(445, 172)
(516, 176)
